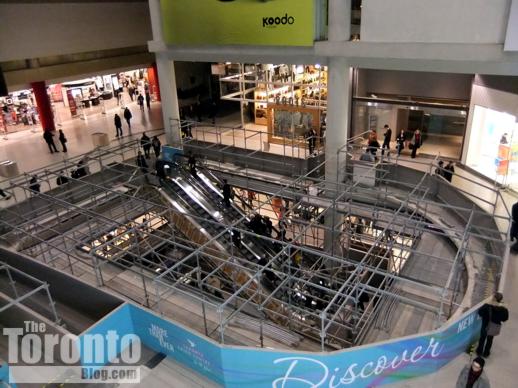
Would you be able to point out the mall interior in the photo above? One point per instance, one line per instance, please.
(264, 193)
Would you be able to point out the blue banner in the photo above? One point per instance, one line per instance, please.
(364, 366)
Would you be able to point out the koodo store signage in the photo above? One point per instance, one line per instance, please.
(243, 22)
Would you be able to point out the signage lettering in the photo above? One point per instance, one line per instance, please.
(275, 21)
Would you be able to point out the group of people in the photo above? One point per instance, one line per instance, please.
(261, 225)
(445, 171)
(118, 122)
(48, 136)
(147, 143)
(373, 144)
(492, 314)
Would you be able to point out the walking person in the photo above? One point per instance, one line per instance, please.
(49, 139)
(141, 162)
(118, 125)
(127, 117)
(311, 137)
(227, 192)
(63, 140)
(387, 136)
(417, 141)
(140, 101)
(155, 143)
(400, 140)
(514, 225)
(473, 375)
(373, 143)
(148, 100)
(145, 143)
(493, 315)
(34, 185)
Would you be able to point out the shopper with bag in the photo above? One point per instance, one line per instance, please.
(492, 314)
(63, 140)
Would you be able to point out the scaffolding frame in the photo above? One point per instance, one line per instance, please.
(184, 271)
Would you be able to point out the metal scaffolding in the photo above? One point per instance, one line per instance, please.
(356, 259)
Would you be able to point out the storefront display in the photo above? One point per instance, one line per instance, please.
(291, 123)
(493, 145)
(288, 99)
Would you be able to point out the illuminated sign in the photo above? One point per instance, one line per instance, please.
(253, 22)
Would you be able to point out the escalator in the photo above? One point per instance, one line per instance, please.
(194, 230)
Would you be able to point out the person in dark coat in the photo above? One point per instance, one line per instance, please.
(49, 139)
(63, 140)
(227, 192)
(145, 143)
(191, 162)
(417, 142)
(155, 143)
(128, 116)
(387, 136)
(34, 185)
(141, 162)
(514, 225)
(148, 101)
(492, 314)
(473, 375)
(311, 137)
(450, 170)
(118, 124)
(400, 140)
(140, 101)
(61, 179)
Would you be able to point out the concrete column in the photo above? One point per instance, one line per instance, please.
(339, 20)
(338, 115)
(44, 106)
(169, 97)
(155, 14)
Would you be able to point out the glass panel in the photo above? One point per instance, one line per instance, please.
(442, 129)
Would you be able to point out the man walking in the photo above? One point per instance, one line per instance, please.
(145, 143)
(387, 137)
(49, 139)
(492, 314)
(128, 116)
(118, 125)
(63, 140)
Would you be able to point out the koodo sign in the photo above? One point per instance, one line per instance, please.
(242, 22)
(275, 21)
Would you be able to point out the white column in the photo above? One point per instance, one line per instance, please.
(338, 114)
(339, 20)
(166, 80)
(155, 14)
(170, 109)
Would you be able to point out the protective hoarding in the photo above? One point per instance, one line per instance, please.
(231, 366)
(239, 22)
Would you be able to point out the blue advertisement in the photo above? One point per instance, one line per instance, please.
(104, 341)
(4, 376)
(182, 345)
(168, 153)
(364, 366)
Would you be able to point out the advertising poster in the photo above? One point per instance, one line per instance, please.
(236, 367)
(232, 22)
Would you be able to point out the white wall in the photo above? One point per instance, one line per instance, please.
(488, 98)
(414, 83)
(38, 30)
(439, 21)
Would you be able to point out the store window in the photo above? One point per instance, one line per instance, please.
(442, 129)
(493, 145)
